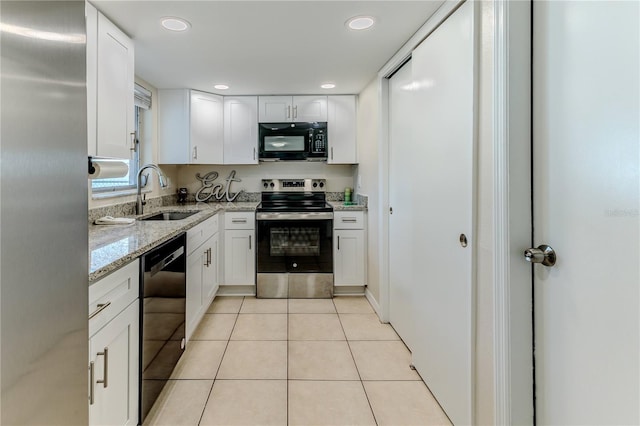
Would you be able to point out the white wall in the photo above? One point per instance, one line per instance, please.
(367, 175)
(338, 176)
(149, 154)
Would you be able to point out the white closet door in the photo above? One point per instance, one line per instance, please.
(443, 161)
(403, 193)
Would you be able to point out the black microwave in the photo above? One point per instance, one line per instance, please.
(293, 141)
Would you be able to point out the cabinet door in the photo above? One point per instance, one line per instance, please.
(210, 275)
(114, 352)
(239, 257)
(309, 108)
(275, 109)
(349, 259)
(173, 126)
(241, 130)
(341, 125)
(195, 274)
(115, 110)
(206, 128)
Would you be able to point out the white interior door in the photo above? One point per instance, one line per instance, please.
(402, 196)
(586, 98)
(444, 161)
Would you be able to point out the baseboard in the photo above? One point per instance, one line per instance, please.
(355, 290)
(372, 301)
(236, 290)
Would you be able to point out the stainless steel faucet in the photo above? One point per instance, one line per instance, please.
(161, 177)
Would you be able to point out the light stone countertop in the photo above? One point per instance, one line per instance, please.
(339, 206)
(112, 246)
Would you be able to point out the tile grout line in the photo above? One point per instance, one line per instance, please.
(356, 365)
(220, 365)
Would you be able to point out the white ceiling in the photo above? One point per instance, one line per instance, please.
(266, 47)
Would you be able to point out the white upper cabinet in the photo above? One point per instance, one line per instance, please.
(241, 130)
(206, 128)
(190, 127)
(278, 109)
(110, 69)
(275, 109)
(341, 128)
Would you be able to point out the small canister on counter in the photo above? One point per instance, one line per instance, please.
(182, 195)
(347, 195)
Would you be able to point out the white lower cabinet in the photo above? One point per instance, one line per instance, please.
(349, 260)
(114, 349)
(202, 271)
(239, 248)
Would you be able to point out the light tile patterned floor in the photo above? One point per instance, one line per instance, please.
(295, 362)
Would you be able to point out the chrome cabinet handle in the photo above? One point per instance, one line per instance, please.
(195, 152)
(349, 220)
(238, 220)
(295, 112)
(101, 307)
(91, 383)
(105, 371)
(288, 111)
(210, 256)
(207, 261)
(332, 153)
(338, 242)
(254, 153)
(249, 242)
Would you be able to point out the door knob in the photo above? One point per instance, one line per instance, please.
(543, 254)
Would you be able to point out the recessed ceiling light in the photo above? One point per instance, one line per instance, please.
(328, 86)
(221, 87)
(175, 24)
(360, 22)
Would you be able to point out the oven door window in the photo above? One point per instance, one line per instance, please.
(295, 241)
(295, 246)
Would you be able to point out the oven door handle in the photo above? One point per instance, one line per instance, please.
(294, 216)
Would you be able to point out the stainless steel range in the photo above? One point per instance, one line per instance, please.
(294, 232)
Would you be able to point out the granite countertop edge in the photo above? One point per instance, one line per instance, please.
(113, 246)
(339, 206)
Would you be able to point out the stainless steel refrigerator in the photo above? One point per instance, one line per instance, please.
(43, 213)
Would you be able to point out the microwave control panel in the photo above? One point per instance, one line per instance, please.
(319, 142)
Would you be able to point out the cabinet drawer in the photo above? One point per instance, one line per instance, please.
(348, 220)
(112, 294)
(240, 220)
(200, 233)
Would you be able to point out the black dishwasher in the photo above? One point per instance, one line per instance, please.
(162, 317)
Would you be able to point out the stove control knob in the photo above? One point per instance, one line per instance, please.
(272, 184)
(315, 184)
(295, 265)
(266, 185)
(321, 184)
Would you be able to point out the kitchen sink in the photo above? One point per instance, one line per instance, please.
(169, 216)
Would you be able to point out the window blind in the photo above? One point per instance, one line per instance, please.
(142, 97)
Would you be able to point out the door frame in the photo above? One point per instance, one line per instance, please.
(512, 212)
(510, 34)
